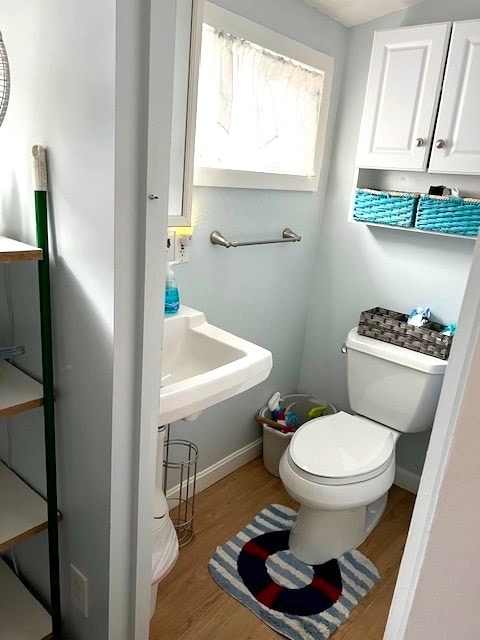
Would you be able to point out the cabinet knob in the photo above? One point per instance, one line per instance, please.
(419, 142)
(440, 144)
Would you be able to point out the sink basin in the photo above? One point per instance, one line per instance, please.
(203, 365)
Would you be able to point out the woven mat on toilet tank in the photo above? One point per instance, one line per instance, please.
(298, 600)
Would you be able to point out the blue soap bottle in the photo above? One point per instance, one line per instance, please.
(172, 299)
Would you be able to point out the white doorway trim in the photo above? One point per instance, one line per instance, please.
(458, 371)
(140, 226)
(162, 47)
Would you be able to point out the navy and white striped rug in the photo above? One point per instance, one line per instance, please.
(298, 600)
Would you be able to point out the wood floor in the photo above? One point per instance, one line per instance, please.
(192, 607)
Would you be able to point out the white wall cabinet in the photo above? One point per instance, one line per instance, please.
(406, 78)
(403, 87)
(456, 145)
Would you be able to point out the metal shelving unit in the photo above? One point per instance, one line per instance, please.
(21, 614)
(23, 512)
(19, 392)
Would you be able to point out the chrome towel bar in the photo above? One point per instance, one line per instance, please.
(217, 238)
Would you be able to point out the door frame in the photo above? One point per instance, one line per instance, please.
(142, 168)
(160, 98)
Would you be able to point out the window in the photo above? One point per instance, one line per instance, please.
(262, 107)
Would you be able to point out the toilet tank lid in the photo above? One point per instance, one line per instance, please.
(399, 355)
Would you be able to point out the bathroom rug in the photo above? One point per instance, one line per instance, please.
(300, 601)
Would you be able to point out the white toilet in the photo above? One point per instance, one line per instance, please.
(340, 468)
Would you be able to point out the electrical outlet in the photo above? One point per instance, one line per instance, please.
(171, 245)
(79, 590)
(182, 247)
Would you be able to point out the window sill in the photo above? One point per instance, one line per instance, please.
(252, 180)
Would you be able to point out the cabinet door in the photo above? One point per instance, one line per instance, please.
(403, 87)
(456, 146)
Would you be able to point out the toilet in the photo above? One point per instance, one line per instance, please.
(340, 468)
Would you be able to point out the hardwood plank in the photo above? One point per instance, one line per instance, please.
(21, 615)
(191, 605)
(23, 513)
(384, 547)
(18, 391)
(371, 624)
(14, 251)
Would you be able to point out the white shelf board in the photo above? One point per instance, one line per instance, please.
(414, 230)
(22, 617)
(18, 392)
(23, 513)
(14, 251)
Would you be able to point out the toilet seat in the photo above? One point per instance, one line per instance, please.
(342, 449)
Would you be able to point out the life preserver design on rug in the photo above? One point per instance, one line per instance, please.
(320, 594)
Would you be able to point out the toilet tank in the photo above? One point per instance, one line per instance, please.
(392, 385)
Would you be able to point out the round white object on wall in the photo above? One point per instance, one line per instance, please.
(4, 80)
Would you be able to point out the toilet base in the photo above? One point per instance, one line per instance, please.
(319, 535)
(375, 512)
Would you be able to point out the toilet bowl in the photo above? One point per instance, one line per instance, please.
(340, 467)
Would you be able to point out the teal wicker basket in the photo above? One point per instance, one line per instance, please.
(392, 208)
(446, 214)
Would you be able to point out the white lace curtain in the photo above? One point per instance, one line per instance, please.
(257, 111)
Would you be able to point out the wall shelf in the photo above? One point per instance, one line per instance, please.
(410, 182)
(18, 392)
(21, 615)
(14, 251)
(414, 230)
(23, 513)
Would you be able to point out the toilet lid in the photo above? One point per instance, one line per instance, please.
(342, 446)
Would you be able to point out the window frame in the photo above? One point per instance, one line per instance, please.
(220, 18)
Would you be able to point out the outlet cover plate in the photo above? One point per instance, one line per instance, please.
(171, 245)
(182, 247)
(79, 590)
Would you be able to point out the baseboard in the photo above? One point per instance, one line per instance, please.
(403, 478)
(223, 467)
(406, 480)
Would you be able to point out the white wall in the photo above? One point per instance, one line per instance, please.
(438, 582)
(445, 604)
(358, 268)
(259, 293)
(62, 57)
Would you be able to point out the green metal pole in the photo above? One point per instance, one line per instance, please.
(40, 186)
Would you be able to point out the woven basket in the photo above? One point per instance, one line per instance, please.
(391, 326)
(446, 214)
(392, 208)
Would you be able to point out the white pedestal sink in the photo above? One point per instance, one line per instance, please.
(203, 365)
